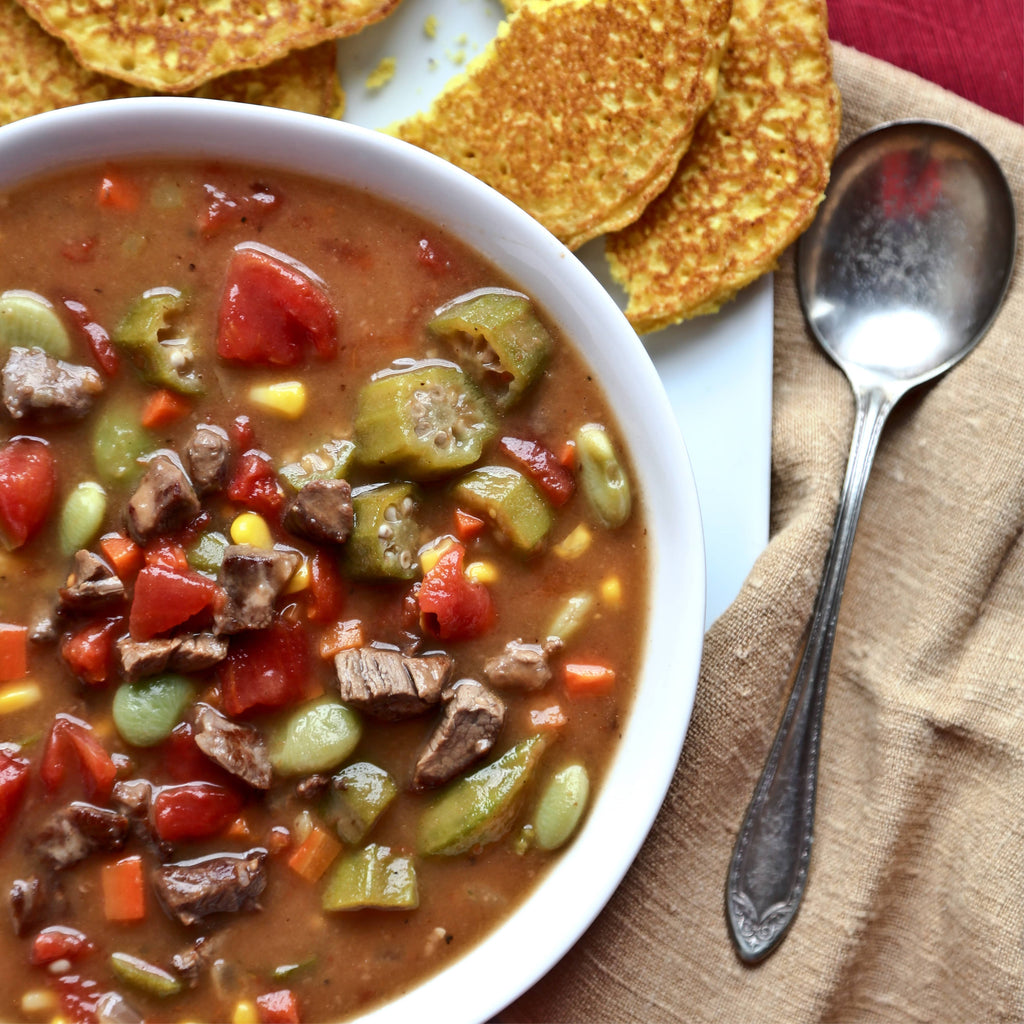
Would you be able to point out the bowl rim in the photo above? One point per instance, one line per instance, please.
(542, 929)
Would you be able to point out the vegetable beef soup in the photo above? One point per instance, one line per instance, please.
(323, 594)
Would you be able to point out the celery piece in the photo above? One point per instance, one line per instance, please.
(164, 363)
(118, 443)
(561, 807)
(359, 794)
(372, 878)
(480, 808)
(330, 461)
(427, 419)
(499, 339)
(603, 478)
(82, 516)
(385, 535)
(144, 976)
(145, 712)
(27, 320)
(316, 737)
(509, 502)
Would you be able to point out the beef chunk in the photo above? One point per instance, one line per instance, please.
(472, 719)
(226, 883)
(189, 652)
(35, 384)
(78, 830)
(33, 900)
(522, 666)
(207, 456)
(163, 502)
(322, 512)
(252, 579)
(390, 685)
(238, 748)
(91, 586)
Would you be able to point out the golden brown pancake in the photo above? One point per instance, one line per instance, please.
(175, 46)
(579, 110)
(751, 180)
(38, 72)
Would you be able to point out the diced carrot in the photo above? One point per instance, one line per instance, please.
(567, 455)
(164, 407)
(123, 554)
(467, 525)
(118, 193)
(13, 652)
(238, 829)
(549, 717)
(314, 854)
(280, 1007)
(588, 679)
(124, 890)
(342, 636)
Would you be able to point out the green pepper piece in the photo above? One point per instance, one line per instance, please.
(206, 554)
(385, 537)
(426, 420)
(480, 808)
(164, 364)
(500, 340)
(359, 794)
(328, 462)
(315, 738)
(145, 712)
(144, 976)
(507, 500)
(27, 320)
(603, 479)
(372, 878)
(118, 442)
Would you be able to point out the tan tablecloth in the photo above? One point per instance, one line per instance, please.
(915, 903)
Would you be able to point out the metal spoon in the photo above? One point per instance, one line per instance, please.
(900, 275)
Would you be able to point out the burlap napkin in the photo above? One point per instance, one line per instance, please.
(915, 904)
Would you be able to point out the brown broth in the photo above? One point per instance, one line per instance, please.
(59, 242)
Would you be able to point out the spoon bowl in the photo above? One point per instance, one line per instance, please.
(900, 275)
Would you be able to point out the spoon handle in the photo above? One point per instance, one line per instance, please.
(768, 871)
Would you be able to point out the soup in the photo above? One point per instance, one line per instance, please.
(323, 596)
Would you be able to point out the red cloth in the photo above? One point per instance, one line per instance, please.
(974, 48)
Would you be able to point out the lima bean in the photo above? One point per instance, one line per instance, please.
(315, 738)
(28, 320)
(561, 806)
(82, 516)
(603, 478)
(145, 712)
(118, 442)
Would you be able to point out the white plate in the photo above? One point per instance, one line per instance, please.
(717, 370)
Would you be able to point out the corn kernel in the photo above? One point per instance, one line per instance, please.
(431, 555)
(300, 578)
(287, 398)
(611, 591)
(482, 572)
(18, 696)
(245, 1013)
(38, 1002)
(575, 543)
(250, 528)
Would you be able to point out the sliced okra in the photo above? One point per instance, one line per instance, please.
(385, 535)
(330, 461)
(357, 796)
(426, 419)
(498, 337)
(372, 878)
(509, 502)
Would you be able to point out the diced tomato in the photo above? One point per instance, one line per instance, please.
(72, 739)
(14, 775)
(167, 554)
(185, 762)
(326, 588)
(433, 256)
(165, 598)
(255, 484)
(28, 479)
(89, 651)
(272, 312)
(79, 250)
(453, 607)
(194, 810)
(13, 651)
(280, 1007)
(266, 668)
(78, 998)
(116, 192)
(224, 210)
(102, 348)
(542, 466)
(242, 433)
(59, 943)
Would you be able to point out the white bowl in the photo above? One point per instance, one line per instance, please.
(544, 928)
